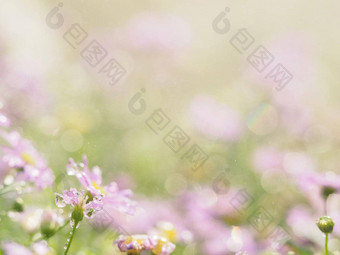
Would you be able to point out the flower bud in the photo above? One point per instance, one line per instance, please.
(47, 229)
(78, 214)
(325, 224)
(49, 223)
(18, 205)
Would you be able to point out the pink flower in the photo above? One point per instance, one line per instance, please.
(318, 187)
(80, 200)
(21, 154)
(302, 221)
(329, 180)
(215, 120)
(41, 248)
(23, 94)
(136, 244)
(12, 248)
(155, 216)
(92, 181)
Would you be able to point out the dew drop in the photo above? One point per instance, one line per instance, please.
(98, 198)
(70, 171)
(72, 224)
(59, 200)
(89, 213)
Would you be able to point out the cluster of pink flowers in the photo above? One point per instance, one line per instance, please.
(20, 155)
(198, 216)
(24, 163)
(95, 197)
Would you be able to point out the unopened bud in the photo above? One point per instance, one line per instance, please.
(18, 205)
(47, 229)
(325, 224)
(48, 224)
(78, 214)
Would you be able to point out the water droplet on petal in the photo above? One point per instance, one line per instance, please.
(59, 200)
(98, 198)
(89, 213)
(70, 171)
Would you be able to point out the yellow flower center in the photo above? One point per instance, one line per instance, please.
(168, 230)
(159, 246)
(28, 158)
(98, 187)
(171, 235)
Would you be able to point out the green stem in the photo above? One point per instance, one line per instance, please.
(71, 237)
(326, 244)
(326, 205)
